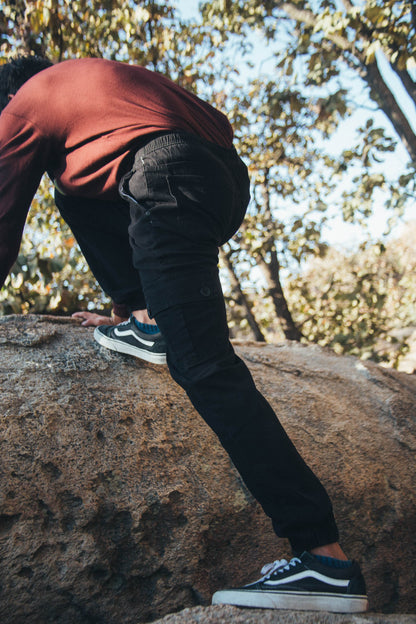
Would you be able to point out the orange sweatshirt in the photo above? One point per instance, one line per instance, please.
(80, 121)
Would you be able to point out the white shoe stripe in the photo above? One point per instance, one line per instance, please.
(307, 574)
(129, 332)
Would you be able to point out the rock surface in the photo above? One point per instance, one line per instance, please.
(119, 506)
(217, 614)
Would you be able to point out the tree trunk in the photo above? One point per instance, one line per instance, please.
(242, 298)
(381, 93)
(408, 82)
(271, 271)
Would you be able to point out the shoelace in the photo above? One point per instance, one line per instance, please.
(278, 566)
(124, 323)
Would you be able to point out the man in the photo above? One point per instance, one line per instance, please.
(104, 130)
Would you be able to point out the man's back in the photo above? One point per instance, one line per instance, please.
(81, 121)
(89, 113)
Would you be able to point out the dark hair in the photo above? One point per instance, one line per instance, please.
(16, 72)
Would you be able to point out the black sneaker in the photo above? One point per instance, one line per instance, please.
(127, 338)
(302, 584)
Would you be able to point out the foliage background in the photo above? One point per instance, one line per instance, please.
(288, 74)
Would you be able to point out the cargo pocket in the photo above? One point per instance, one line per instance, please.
(163, 293)
(191, 315)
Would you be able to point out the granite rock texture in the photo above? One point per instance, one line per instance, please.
(118, 505)
(233, 615)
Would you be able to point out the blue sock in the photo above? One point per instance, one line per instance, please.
(332, 562)
(146, 328)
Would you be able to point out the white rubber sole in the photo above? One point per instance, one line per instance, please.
(296, 601)
(122, 347)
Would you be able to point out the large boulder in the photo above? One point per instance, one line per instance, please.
(234, 615)
(118, 504)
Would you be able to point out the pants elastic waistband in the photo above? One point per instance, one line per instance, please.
(166, 139)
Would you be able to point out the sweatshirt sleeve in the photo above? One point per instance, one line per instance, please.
(23, 157)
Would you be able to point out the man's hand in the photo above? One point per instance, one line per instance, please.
(89, 319)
